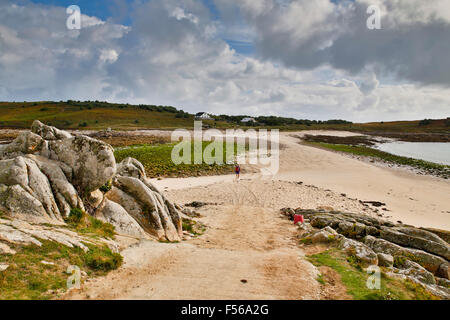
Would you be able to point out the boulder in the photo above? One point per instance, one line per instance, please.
(330, 230)
(418, 239)
(95, 200)
(5, 249)
(421, 233)
(92, 161)
(429, 261)
(48, 132)
(56, 237)
(47, 172)
(116, 215)
(305, 226)
(154, 216)
(444, 271)
(126, 201)
(322, 221)
(355, 248)
(372, 231)
(443, 234)
(417, 272)
(322, 236)
(25, 188)
(25, 143)
(39, 188)
(443, 282)
(18, 201)
(352, 230)
(385, 260)
(288, 212)
(14, 171)
(130, 167)
(64, 192)
(144, 202)
(12, 235)
(334, 217)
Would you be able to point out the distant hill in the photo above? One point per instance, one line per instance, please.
(92, 115)
(97, 115)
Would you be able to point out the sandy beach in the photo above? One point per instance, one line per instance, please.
(411, 198)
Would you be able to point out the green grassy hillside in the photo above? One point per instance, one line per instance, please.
(97, 115)
(91, 115)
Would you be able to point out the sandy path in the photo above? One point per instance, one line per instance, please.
(241, 243)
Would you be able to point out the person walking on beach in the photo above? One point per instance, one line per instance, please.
(237, 170)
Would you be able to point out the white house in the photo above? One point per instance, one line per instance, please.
(248, 120)
(203, 116)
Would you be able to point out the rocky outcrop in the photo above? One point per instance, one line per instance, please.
(429, 261)
(116, 215)
(417, 254)
(359, 250)
(385, 260)
(20, 232)
(418, 239)
(47, 172)
(443, 234)
(323, 236)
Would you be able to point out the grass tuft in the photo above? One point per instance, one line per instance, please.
(83, 223)
(103, 259)
(193, 227)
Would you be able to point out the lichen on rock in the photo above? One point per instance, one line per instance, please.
(47, 172)
(417, 254)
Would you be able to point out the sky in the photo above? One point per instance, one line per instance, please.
(295, 58)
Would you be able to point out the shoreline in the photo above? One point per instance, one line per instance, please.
(419, 200)
(384, 163)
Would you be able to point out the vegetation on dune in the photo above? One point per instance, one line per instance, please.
(429, 167)
(354, 277)
(158, 162)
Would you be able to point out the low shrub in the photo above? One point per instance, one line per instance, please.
(103, 259)
(75, 216)
(106, 187)
(84, 223)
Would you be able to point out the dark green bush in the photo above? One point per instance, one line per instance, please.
(75, 216)
(106, 187)
(103, 259)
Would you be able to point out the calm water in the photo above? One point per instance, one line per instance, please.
(438, 152)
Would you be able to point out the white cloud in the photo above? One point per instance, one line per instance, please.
(413, 44)
(109, 56)
(173, 55)
(179, 14)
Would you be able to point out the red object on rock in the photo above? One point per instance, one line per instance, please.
(298, 218)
